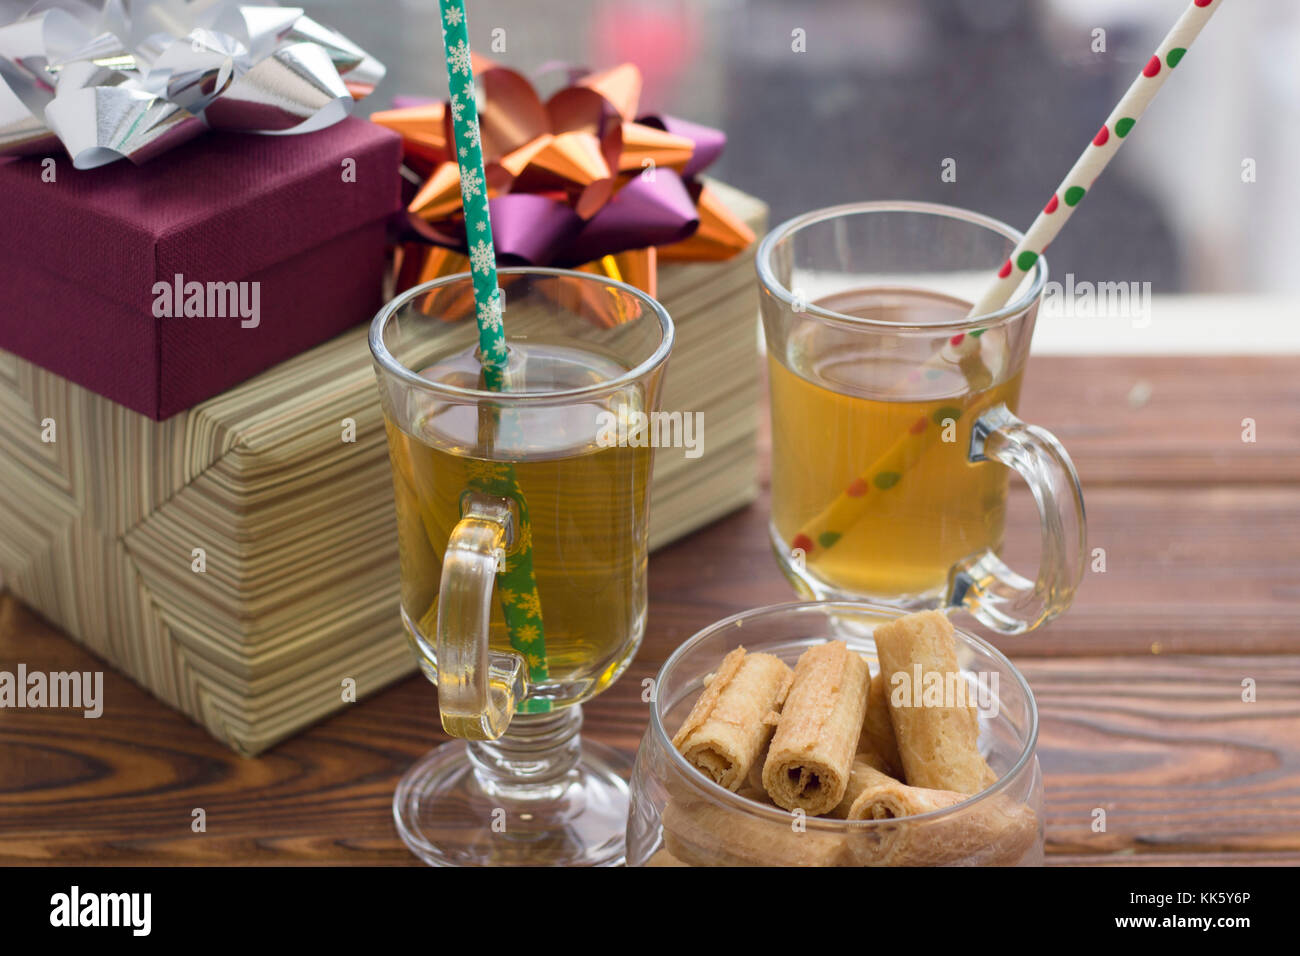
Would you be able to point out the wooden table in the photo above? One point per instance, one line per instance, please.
(1140, 685)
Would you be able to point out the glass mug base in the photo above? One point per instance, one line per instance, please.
(538, 796)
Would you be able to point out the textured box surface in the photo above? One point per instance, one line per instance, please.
(105, 513)
(82, 257)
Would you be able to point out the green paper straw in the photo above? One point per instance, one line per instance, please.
(521, 605)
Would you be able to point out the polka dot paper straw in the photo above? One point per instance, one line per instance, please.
(1090, 164)
(823, 531)
(517, 584)
(826, 528)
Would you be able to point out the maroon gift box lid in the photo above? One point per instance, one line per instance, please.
(189, 210)
(80, 256)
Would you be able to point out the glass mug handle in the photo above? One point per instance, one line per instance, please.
(997, 596)
(478, 688)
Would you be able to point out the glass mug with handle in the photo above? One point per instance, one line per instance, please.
(523, 536)
(891, 435)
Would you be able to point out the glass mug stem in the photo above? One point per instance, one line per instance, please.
(478, 688)
(535, 760)
(997, 596)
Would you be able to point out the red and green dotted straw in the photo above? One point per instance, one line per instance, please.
(826, 528)
(1056, 213)
(516, 586)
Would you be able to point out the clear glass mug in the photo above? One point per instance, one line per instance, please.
(679, 816)
(893, 415)
(493, 485)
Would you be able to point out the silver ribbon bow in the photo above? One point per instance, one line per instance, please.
(137, 77)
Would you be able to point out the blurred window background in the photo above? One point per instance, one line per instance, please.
(886, 90)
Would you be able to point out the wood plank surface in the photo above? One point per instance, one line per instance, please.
(1139, 685)
(1170, 421)
(1170, 750)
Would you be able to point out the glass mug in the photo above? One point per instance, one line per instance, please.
(893, 415)
(679, 816)
(487, 485)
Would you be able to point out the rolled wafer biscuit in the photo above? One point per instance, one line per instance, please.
(809, 758)
(703, 830)
(756, 794)
(874, 795)
(995, 831)
(877, 730)
(728, 728)
(701, 833)
(755, 779)
(664, 858)
(938, 741)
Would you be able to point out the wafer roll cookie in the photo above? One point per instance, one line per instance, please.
(755, 779)
(995, 831)
(700, 833)
(874, 795)
(938, 744)
(811, 753)
(877, 730)
(756, 794)
(664, 858)
(728, 728)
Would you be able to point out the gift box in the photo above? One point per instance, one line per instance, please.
(162, 285)
(239, 558)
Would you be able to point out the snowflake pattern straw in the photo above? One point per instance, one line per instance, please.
(516, 584)
(824, 529)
